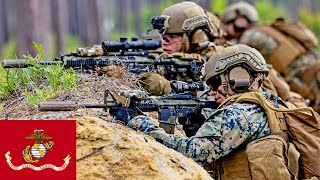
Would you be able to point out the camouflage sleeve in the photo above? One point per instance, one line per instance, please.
(207, 112)
(219, 135)
(259, 40)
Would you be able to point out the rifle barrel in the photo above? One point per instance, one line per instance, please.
(65, 106)
(22, 63)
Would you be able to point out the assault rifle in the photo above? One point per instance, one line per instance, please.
(136, 56)
(172, 108)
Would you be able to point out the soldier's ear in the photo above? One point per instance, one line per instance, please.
(241, 23)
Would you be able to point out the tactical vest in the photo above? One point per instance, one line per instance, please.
(275, 156)
(290, 56)
(287, 51)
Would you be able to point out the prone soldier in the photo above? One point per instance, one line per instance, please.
(242, 134)
(287, 46)
(186, 32)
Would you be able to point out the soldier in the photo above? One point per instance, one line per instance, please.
(286, 46)
(186, 32)
(235, 70)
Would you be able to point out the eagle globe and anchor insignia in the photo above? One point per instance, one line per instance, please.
(39, 149)
(34, 153)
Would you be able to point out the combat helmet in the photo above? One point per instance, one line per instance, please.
(240, 9)
(242, 64)
(185, 18)
(216, 23)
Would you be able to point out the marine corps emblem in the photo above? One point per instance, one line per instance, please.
(35, 152)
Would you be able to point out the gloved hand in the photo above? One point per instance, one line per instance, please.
(123, 114)
(193, 123)
(155, 84)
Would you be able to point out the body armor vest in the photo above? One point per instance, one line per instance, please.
(287, 51)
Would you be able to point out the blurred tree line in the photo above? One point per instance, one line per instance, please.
(63, 25)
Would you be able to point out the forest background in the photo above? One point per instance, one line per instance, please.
(62, 25)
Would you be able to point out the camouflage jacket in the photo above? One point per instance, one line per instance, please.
(224, 130)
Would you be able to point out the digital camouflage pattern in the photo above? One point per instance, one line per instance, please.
(224, 130)
(261, 41)
(304, 72)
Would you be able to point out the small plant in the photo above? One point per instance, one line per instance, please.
(38, 82)
(36, 97)
(39, 48)
(8, 84)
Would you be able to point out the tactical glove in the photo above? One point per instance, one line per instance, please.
(155, 84)
(123, 114)
(193, 123)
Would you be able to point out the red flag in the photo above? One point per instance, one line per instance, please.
(32, 149)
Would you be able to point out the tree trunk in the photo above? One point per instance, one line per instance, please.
(4, 25)
(59, 23)
(81, 20)
(122, 7)
(32, 17)
(94, 22)
(137, 6)
(73, 17)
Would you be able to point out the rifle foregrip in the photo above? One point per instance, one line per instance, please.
(15, 63)
(57, 106)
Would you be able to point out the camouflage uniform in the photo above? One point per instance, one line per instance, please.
(303, 76)
(244, 18)
(247, 136)
(232, 124)
(224, 130)
(198, 31)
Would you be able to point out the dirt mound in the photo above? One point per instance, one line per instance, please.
(106, 150)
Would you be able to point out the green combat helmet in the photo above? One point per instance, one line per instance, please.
(240, 9)
(240, 63)
(185, 18)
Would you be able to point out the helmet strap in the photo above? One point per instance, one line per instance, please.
(224, 84)
(184, 42)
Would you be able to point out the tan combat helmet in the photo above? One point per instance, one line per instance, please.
(185, 18)
(216, 23)
(240, 9)
(240, 63)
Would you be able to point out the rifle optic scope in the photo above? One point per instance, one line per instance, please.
(180, 87)
(124, 44)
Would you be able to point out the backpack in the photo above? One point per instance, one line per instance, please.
(298, 31)
(302, 125)
(293, 39)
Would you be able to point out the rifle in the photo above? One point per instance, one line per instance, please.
(136, 56)
(171, 108)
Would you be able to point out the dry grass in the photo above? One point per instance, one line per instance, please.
(90, 88)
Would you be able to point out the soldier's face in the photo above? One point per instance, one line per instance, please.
(219, 94)
(229, 28)
(172, 43)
